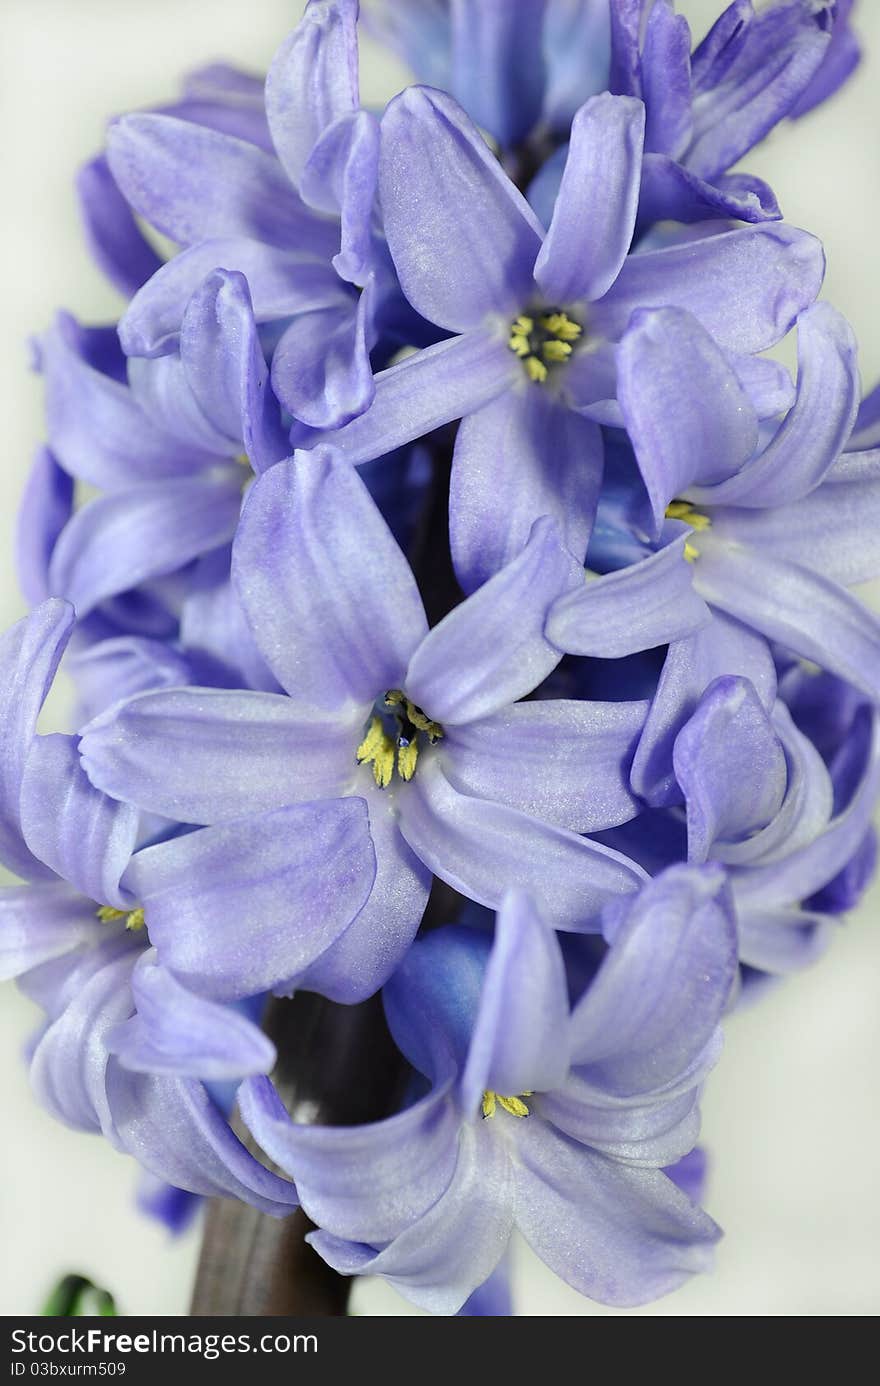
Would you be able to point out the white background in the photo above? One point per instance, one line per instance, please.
(791, 1115)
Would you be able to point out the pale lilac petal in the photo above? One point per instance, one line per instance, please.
(30, 652)
(365, 1182)
(542, 458)
(783, 940)
(116, 542)
(313, 80)
(468, 249)
(670, 192)
(173, 1128)
(226, 370)
(97, 429)
(746, 287)
(647, 604)
(810, 531)
(330, 598)
(193, 183)
(519, 1037)
(482, 848)
(84, 836)
(722, 646)
(41, 922)
(447, 381)
(376, 941)
(566, 763)
(491, 650)
(244, 907)
(730, 766)
(653, 1007)
(46, 504)
(207, 755)
(595, 212)
(321, 366)
(787, 602)
(440, 1259)
(173, 1031)
(114, 238)
(621, 1236)
(687, 415)
(816, 429)
(341, 177)
(281, 282)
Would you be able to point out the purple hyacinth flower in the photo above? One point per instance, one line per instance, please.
(763, 524)
(394, 753)
(124, 1046)
(706, 110)
(554, 1122)
(298, 221)
(538, 316)
(166, 448)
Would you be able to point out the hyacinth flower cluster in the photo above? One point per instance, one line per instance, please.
(458, 604)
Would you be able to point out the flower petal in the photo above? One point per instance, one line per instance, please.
(746, 287)
(497, 71)
(116, 542)
(321, 366)
(468, 249)
(519, 1037)
(595, 213)
(481, 849)
(365, 1182)
(313, 81)
(639, 607)
(114, 238)
(730, 766)
(491, 650)
(687, 414)
(543, 458)
(242, 908)
(787, 602)
(30, 652)
(816, 430)
(193, 183)
(565, 762)
(331, 599)
(631, 1237)
(209, 755)
(175, 1032)
(84, 836)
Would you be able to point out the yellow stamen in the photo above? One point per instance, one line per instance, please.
(560, 325)
(514, 1105)
(555, 351)
(691, 552)
(524, 325)
(377, 747)
(134, 919)
(407, 757)
(683, 510)
(536, 370)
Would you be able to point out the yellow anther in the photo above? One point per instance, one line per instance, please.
(383, 764)
(561, 326)
(394, 697)
(242, 459)
(107, 914)
(423, 722)
(372, 742)
(524, 325)
(683, 510)
(691, 552)
(407, 757)
(519, 345)
(536, 370)
(514, 1105)
(134, 919)
(555, 351)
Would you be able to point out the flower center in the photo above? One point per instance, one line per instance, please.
(683, 510)
(134, 919)
(543, 342)
(392, 738)
(514, 1105)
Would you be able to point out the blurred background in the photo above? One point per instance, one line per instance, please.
(791, 1116)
